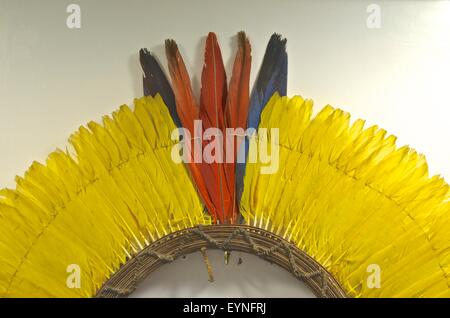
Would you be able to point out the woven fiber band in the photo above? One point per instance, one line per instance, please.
(242, 238)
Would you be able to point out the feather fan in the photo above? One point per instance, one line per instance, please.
(344, 194)
(351, 199)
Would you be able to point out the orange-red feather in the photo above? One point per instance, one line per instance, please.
(186, 105)
(187, 110)
(214, 86)
(238, 95)
(218, 109)
(236, 110)
(212, 107)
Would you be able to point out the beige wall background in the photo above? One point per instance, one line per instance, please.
(54, 79)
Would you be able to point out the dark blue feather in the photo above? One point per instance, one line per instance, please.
(272, 78)
(155, 82)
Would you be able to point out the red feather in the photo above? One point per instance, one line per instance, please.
(238, 95)
(217, 177)
(214, 86)
(216, 180)
(238, 102)
(187, 110)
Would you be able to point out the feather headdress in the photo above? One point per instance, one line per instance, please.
(344, 194)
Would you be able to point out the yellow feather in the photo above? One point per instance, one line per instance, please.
(344, 194)
(119, 193)
(349, 198)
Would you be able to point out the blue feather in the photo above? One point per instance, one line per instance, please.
(155, 82)
(272, 78)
